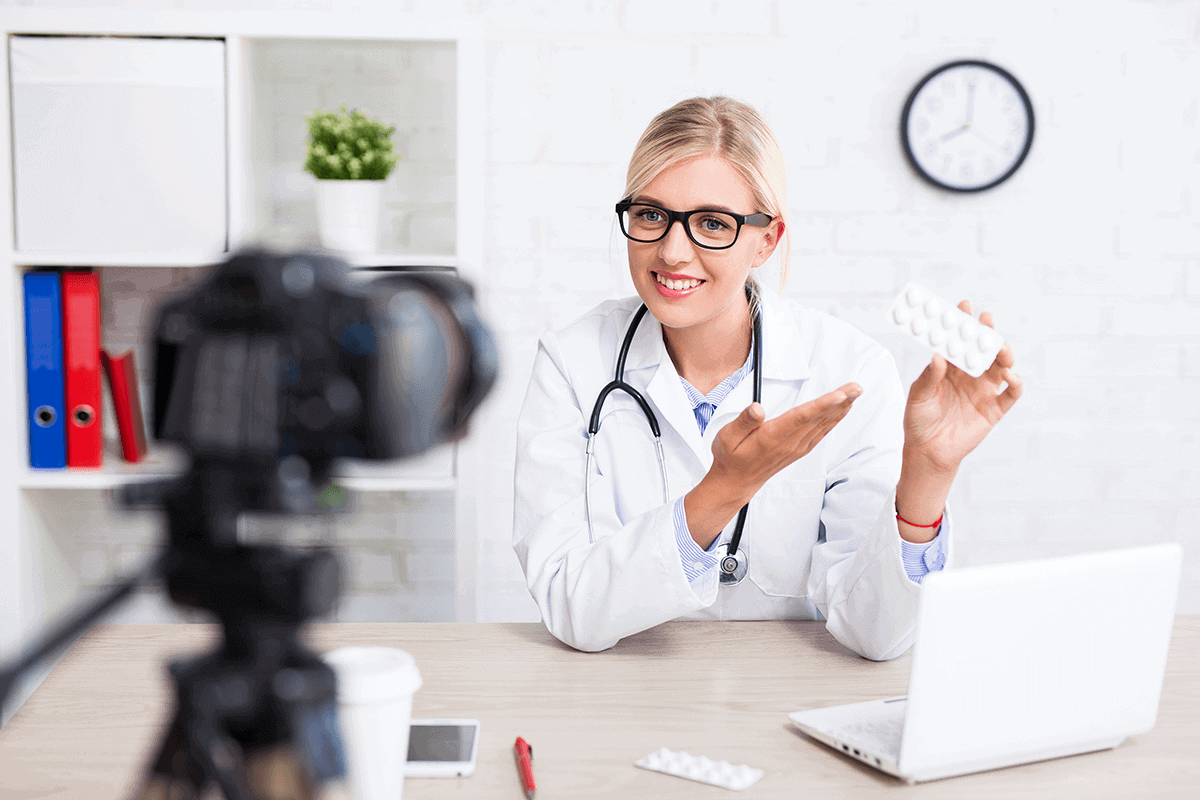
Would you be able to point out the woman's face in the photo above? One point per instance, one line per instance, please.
(685, 285)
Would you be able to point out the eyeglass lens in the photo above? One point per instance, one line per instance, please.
(707, 228)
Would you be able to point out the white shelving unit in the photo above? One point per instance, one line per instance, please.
(36, 583)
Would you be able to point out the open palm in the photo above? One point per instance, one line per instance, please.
(949, 413)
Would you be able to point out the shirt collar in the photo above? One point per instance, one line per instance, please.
(784, 349)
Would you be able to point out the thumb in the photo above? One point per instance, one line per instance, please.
(751, 417)
(931, 375)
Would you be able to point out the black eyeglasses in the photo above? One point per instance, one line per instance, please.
(712, 230)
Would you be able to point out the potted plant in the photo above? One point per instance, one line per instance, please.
(350, 155)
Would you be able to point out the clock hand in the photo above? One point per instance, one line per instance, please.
(987, 141)
(955, 132)
(970, 104)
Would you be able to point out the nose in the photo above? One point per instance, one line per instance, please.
(675, 247)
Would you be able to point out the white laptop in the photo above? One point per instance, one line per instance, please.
(1020, 662)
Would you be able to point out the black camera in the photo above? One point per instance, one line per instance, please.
(280, 364)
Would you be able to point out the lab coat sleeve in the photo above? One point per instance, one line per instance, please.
(590, 594)
(857, 579)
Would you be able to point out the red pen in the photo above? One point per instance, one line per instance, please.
(525, 766)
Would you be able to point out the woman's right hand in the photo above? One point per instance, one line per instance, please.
(751, 449)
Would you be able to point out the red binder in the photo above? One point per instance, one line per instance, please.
(81, 358)
(121, 372)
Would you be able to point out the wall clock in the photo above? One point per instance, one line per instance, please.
(967, 126)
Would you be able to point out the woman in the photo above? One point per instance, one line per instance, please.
(846, 482)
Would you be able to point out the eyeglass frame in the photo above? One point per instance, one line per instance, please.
(756, 220)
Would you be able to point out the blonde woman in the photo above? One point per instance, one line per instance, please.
(843, 481)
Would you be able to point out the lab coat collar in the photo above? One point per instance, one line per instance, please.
(783, 361)
(783, 346)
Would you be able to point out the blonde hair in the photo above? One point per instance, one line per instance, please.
(718, 126)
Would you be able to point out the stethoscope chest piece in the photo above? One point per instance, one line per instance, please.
(733, 568)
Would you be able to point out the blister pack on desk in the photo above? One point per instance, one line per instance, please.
(700, 768)
(936, 323)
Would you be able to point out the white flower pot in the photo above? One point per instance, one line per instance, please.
(348, 215)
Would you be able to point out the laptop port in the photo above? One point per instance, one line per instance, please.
(856, 752)
(846, 747)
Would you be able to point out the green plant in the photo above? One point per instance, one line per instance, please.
(348, 146)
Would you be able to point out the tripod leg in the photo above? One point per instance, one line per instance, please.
(277, 774)
(174, 774)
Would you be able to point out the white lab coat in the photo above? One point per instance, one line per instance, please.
(820, 537)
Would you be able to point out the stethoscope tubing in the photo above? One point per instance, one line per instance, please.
(618, 383)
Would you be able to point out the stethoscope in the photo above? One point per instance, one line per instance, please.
(732, 561)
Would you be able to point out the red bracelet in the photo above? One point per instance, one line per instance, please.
(915, 525)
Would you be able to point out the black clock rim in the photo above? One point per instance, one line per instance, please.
(969, 62)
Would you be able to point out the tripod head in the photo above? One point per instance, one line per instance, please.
(265, 375)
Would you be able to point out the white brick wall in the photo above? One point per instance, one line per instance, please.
(1089, 257)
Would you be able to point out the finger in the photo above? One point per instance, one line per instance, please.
(986, 319)
(1012, 392)
(965, 305)
(851, 390)
(808, 437)
(806, 413)
(930, 376)
(1005, 357)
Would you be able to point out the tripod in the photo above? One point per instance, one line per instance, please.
(266, 374)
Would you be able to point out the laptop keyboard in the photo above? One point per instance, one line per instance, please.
(878, 734)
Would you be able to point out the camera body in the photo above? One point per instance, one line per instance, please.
(280, 364)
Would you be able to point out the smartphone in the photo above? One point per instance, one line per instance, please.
(442, 748)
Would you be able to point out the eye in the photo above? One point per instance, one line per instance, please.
(713, 224)
(648, 214)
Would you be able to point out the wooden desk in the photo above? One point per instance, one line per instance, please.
(710, 688)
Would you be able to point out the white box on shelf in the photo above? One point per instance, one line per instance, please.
(118, 144)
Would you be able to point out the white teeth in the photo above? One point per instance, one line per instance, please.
(677, 286)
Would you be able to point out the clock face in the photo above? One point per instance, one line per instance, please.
(967, 126)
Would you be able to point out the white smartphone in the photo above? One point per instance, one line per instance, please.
(442, 748)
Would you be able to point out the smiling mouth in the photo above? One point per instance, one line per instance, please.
(677, 285)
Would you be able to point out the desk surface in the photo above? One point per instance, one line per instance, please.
(710, 688)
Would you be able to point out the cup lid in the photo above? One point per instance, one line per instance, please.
(372, 674)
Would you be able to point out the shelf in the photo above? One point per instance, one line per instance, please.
(433, 472)
(437, 261)
(72, 258)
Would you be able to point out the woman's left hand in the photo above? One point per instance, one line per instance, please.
(949, 413)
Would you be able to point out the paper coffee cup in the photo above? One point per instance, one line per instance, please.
(375, 687)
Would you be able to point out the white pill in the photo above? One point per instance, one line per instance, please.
(937, 336)
(919, 325)
(967, 329)
(915, 296)
(901, 315)
(972, 359)
(950, 317)
(986, 341)
(933, 307)
(954, 347)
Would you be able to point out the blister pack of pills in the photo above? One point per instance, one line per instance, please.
(700, 768)
(939, 324)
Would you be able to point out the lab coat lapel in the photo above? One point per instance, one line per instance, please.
(784, 367)
(664, 391)
(666, 394)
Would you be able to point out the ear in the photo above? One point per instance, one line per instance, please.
(770, 239)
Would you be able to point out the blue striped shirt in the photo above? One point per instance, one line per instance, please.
(919, 559)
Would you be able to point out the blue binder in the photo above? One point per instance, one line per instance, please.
(44, 370)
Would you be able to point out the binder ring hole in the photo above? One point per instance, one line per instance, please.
(84, 416)
(45, 416)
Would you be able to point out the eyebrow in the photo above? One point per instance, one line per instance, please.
(650, 201)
